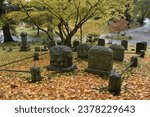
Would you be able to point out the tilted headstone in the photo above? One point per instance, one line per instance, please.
(82, 50)
(100, 60)
(101, 42)
(37, 49)
(61, 59)
(35, 74)
(24, 44)
(140, 46)
(124, 43)
(118, 52)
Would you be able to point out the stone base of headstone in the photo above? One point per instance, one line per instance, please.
(67, 69)
(99, 72)
(24, 48)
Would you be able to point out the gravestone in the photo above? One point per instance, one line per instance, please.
(82, 50)
(118, 52)
(35, 74)
(36, 56)
(61, 59)
(145, 45)
(100, 60)
(124, 43)
(10, 49)
(37, 49)
(140, 46)
(114, 85)
(134, 61)
(45, 48)
(75, 44)
(24, 45)
(101, 42)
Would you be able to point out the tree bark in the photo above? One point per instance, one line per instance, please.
(6, 32)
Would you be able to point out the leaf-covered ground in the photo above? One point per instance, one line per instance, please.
(76, 85)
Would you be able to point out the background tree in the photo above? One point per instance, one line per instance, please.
(9, 14)
(142, 10)
(70, 15)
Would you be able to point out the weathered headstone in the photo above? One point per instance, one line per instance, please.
(82, 50)
(24, 45)
(35, 74)
(61, 59)
(51, 44)
(75, 44)
(118, 52)
(142, 53)
(124, 43)
(145, 45)
(134, 61)
(10, 49)
(114, 83)
(140, 46)
(101, 42)
(45, 48)
(100, 60)
(37, 49)
(36, 56)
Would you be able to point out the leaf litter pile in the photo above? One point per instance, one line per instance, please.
(75, 85)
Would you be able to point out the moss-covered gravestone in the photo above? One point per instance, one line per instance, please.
(118, 52)
(100, 60)
(24, 44)
(61, 59)
(82, 50)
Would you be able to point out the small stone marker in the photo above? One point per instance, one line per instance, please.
(36, 56)
(37, 49)
(61, 59)
(145, 45)
(82, 50)
(142, 53)
(10, 49)
(114, 83)
(124, 43)
(45, 48)
(101, 42)
(134, 61)
(100, 60)
(118, 52)
(35, 74)
(140, 46)
(24, 45)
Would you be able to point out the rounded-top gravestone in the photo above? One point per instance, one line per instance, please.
(82, 50)
(100, 60)
(61, 59)
(118, 52)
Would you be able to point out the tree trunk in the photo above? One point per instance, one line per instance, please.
(67, 42)
(81, 34)
(6, 32)
(38, 32)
